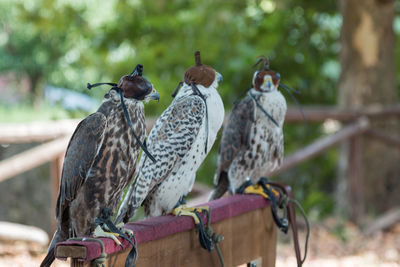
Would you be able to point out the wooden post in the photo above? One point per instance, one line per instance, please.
(355, 176)
(76, 263)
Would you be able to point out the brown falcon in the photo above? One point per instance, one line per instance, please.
(101, 159)
(252, 140)
(180, 140)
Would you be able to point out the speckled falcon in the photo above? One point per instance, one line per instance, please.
(101, 159)
(252, 139)
(180, 140)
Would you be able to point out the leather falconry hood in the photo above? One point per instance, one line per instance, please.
(199, 73)
(135, 85)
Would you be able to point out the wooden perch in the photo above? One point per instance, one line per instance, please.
(320, 145)
(32, 158)
(245, 221)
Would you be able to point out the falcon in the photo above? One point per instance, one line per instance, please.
(179, 141)
(101, 159)
(252, 139)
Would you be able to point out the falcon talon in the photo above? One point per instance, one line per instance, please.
(183, 210)
(259, 190)
(202, 209)
(255, 190)
(99, 232)
(121, 227)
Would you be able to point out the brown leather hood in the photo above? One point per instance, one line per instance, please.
(199, 73)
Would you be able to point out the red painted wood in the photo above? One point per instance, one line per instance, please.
(162, 226)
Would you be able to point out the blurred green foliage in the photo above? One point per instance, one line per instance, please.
(68, 43)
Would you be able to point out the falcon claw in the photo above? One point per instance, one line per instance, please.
(183, 210)
(99, 232)
(126, 231)
(258, 190)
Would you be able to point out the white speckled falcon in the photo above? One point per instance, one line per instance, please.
(252, 139)
(101, 159)
(179, 141)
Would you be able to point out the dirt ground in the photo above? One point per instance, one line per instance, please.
(343, 245)
(331, 244)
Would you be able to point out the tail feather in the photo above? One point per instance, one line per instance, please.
(50, 257)
(221, 187)
(48, 260)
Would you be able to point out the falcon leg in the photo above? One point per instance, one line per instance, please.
(205, 233)
(261, 188)
(121, 227)
(99, 232)
(264, 189)
(181, 209)
(104, 222)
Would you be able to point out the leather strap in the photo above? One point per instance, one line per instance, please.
(287, 190)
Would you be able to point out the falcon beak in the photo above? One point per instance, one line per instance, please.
(267, 84)
(153, 96)
(219, 77)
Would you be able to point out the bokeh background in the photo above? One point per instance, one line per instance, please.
(50, 50)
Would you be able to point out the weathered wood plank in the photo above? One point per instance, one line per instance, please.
(29, 132)
(32, 158)
(392, 141)
(245, 221)
(247, 237)
(44, 131)
(321, 144)
(321, 113)
(79, 252)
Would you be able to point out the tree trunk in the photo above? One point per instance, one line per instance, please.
(368, 79)
(35, 93)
